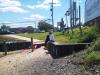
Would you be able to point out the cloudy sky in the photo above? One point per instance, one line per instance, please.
(32, 10)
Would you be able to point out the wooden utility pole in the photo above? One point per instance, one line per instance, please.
(52, 13)
(71, 15)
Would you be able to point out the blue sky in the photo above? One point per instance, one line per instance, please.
(33, 10)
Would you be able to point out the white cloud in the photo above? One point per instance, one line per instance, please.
(11, 6)
(42, 6)
(31, 7)
(13, 9)
(9, 3)
(38, 6)
(35, 17)
(45, 4)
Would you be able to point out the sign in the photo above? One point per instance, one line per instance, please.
(92, 9)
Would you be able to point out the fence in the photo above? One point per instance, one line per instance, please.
(12, 46)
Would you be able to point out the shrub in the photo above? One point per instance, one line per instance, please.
(93, 52)
(89, 33)
(91, 58)
(97, 45)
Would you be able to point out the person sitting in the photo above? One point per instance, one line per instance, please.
(49, 39)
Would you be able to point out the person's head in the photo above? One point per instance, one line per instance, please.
(50, 32)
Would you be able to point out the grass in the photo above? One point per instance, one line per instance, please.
(92, 53)
(2, 37)
(8, 38)
(42, 36)
(92, 57)
(88, 35)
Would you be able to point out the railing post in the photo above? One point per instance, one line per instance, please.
(5, 48)
(32, 44)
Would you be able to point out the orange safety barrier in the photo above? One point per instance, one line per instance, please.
(34, 46)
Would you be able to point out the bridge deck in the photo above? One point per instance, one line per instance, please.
(61, 49)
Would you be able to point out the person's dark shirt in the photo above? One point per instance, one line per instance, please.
(47, 38)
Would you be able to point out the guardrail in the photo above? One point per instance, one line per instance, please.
(12, 45)
(58, 50)
(7, 46)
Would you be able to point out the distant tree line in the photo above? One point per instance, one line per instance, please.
(8, 30)
(42, 26)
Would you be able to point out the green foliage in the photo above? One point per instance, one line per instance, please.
(98, 27)
(60, 38)
(93, 57)
(88, 35)
(40, 36)
(93, 52)
(4, 28)
(2, 37)
(44, 26)
(97, 45)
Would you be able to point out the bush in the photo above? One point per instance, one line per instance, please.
(89, 33)
(93, 52)
(97, 45)
(91, 58)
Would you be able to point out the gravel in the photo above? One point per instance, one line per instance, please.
(40, 63)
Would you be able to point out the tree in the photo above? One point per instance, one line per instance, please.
(5, 28)
(30, 29)
(42, 25)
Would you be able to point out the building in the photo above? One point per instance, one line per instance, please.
(92, 12)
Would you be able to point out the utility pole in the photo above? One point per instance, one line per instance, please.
(66, 19)
(52, 13)
(81, 33)
(75, 12)
(71, 15)
(66, 14)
